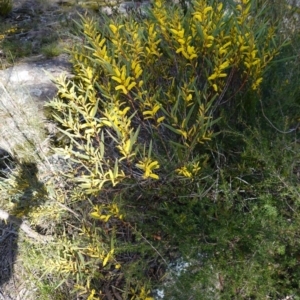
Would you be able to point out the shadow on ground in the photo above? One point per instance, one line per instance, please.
(27, 192)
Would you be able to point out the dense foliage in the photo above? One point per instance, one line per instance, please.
(5, 7)
(170, 130)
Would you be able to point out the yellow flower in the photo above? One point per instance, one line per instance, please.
(217, 72)
(136, 67)
(207, 9)
(121, 77)
(224, 65)
(184, 171)
(256, 84)
(191, 52)
(189, 97)
(114, 28)
(151, 113)
(158, 3)
(212, 77)
(190, 171)
(147, 165)
(196, 168)
(179, 33)
(198, 16)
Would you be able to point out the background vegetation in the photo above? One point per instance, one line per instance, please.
(181, 147)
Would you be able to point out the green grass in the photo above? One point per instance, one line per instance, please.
(51, 50)
(14, 49)
(5, 7)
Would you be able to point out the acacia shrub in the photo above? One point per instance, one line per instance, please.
(138, 115)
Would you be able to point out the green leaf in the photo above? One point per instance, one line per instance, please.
(189, 114)
(172, 128)
(116, 169)
(94, 109)
(178, 145)
(101, 146)
(81, 258)
(95, 215)
(150, 149)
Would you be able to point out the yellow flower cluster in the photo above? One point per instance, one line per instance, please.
(104, 212)
(218, 73)
(160, 14)
(161, 75)
(189, 171)
(184, 48)
(122, 77)
(148, 166)
(153, 41)
(203, 24)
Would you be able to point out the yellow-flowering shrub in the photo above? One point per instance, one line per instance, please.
(148, 89)
(141, 104)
